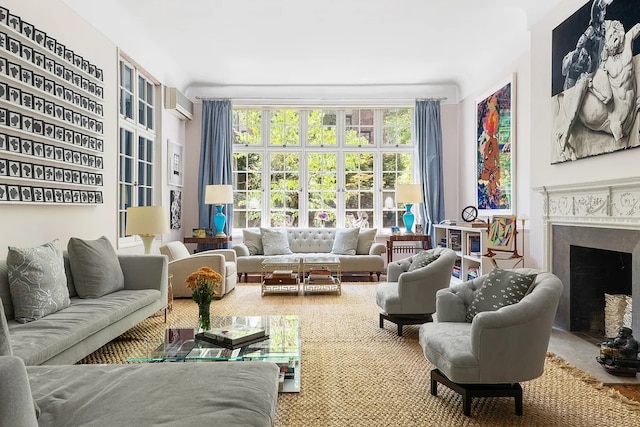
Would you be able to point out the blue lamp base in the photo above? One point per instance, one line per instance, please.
(219, 220)
(408, 219)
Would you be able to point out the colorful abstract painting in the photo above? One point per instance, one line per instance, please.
(495, 150)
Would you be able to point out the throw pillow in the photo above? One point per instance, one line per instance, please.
(346, 241)
(365, 239)
(275, 241)
(37, 281)
(253, 241)
(422, 259)
(499, 289)
(5, 343)
(95, 267)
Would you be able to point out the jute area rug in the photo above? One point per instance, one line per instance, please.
(356, 374)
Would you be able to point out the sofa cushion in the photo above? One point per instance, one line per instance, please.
(346, 241)
(229, 394)
(95, 267)
(275, 241)
(37, 342)
(422, 259)
(37, 281)
(366, 237)
(17, 407)
(499, 289)
(253, 241)
(5, 343)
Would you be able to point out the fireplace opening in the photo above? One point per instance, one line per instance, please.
(595, 272)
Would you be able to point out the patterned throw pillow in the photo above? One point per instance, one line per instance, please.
(95, 267)
(275, 241)
(422, 259)
(346, 241)
(500, 289)
(37, 281)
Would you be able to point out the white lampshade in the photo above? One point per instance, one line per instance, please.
(146, 221)
(408, 193)
(218, 194)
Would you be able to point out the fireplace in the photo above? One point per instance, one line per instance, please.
(592, 261)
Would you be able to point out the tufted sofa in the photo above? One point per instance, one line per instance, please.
(310, 242)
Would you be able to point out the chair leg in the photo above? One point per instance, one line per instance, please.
(469, 391)
(381, 321)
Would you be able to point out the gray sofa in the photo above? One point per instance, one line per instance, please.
(229, 394)
(68, 335)
(309, 243)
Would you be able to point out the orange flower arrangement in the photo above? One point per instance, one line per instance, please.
(205, 284)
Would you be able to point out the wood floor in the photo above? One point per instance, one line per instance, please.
(630, 391)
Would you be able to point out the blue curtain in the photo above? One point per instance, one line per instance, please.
(428, 134)
(215, 158)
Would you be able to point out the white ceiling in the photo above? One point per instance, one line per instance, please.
(218, 43)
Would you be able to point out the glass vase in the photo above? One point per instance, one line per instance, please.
(204, 316)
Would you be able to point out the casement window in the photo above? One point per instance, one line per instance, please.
(137, 142)
(310, 167)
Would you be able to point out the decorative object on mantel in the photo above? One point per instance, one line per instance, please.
(619, 356)
(205, 286)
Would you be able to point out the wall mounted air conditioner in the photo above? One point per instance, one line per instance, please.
(178, 104)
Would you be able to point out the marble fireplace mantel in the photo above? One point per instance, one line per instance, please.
(613, 205)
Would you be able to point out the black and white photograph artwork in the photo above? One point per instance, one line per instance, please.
(3, 193)
(176, 209)
(4, 16)
(595, 76)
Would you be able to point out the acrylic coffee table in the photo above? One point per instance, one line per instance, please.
(283, 347)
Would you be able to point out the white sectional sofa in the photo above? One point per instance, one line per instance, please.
(366, 256)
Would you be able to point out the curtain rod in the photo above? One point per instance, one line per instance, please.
(266, 98)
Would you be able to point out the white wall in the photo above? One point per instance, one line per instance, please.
(621, 164)
(31, 224)
(28, 224)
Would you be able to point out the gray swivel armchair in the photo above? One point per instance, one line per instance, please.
(409, 295)
(490, 355)
(182, 264)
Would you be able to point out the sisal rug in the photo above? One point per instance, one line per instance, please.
(356, 374)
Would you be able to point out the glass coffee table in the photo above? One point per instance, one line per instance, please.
(283, 346)
(314, 274)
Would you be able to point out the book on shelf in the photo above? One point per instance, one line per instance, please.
(473, 245)
(232, 336)
(472, 273)
(320, 271)
(455, 237)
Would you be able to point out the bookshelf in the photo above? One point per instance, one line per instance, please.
(469, 243)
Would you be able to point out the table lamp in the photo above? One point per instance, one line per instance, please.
(219, 195)
(408, 194)
(146, 222)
